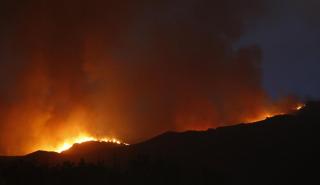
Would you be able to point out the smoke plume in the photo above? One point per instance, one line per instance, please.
(126, 69)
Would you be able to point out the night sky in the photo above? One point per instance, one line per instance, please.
(289, 37)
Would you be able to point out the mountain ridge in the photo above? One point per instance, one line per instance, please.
(278, 150)
(171, 136)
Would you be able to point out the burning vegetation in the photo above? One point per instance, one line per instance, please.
(68, 143)
(264, 115)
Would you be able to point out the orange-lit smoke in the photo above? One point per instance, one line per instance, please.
(125, 69)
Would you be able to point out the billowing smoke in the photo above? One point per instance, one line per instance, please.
(127, 69)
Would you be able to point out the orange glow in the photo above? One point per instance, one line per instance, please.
(270, 114)
(262, 116)
(300, 106)
(67, 144)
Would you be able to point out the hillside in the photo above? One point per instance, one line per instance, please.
(278, 150)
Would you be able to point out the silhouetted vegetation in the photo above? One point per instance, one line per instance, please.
(139, 171)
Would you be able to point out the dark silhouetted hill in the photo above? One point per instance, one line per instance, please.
(278, 150)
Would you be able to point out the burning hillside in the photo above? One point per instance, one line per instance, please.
(230, 154)
(68, 143)
(126, 70)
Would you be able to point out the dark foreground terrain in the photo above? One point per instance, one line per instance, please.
(279, 150)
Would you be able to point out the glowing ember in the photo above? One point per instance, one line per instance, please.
(300, 106)
(81, 139)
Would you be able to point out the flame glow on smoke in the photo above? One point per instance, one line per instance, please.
(68, 143)
(88, 70)
(266, 115)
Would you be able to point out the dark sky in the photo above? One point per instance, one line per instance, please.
(289, 35)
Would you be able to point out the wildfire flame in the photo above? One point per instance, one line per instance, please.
(82, 137)
(266, 115)
(300, 106)
(67, 144)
